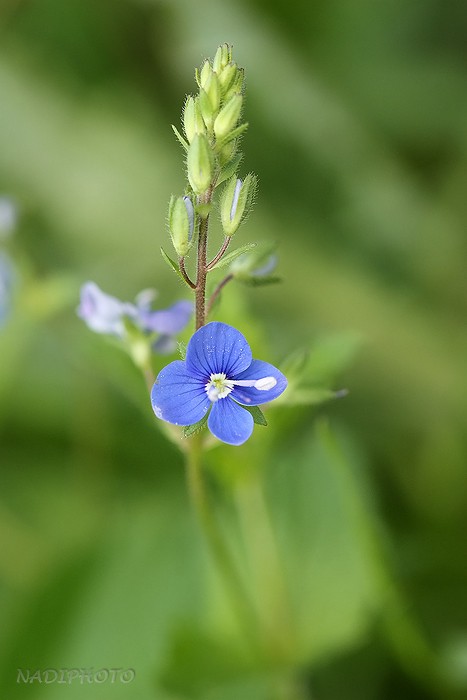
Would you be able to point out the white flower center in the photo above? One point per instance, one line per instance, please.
(218, 386)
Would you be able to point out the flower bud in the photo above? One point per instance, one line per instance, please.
(228, 117)
(236, 202)
(212, 90)
(205, 72)
(181, 224)
(199, 164)
(222, 58)
(209, 100)
(237, 84)
(192, 120)
(227, 76)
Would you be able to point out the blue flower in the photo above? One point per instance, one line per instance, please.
(219, 375)
(103, 313)
(106, 314)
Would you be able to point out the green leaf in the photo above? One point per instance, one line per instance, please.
(180, 138)
(230, 257)
(258, 415)
(171, 263)
(190, 430)
(229, 169)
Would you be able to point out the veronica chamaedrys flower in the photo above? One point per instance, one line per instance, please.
(218, 375)
(104, 313)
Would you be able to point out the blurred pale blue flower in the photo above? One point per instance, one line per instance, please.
(219, 375)
(106, 314)
(8, 216)
(103, 313)
(6, 286)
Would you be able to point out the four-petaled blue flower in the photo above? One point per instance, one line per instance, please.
(104, 313)
(220, 375)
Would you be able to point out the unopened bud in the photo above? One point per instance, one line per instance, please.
(227, 76)
(213, 91)
(206, 71)
(192, 119)
(199, 164)
(237, 84)
(222, 57)
(228, 117)
(181, 224)
(236, 202)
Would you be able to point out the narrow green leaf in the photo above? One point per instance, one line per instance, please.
(171, 263)
(258, 415)
(227, 259)
(190, 430)
(180, 138)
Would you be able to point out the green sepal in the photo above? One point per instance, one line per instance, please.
(189, 430)
(171, 263)
(181, 347)
(180, 138)
(235, 133)
(230, 257)
(258, 415)
(229, 169)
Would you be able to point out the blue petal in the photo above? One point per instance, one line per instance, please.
(168, 321)
(230, 422)
(249, 396)
(216, 348)
(178, 397)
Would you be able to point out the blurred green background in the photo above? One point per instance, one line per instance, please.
(358, 133)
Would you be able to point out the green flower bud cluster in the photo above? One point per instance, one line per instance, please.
(211, 119)
(212, 126)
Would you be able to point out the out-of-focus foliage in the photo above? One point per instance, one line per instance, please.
(354, 512)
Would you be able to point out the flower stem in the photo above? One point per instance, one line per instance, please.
(220, 254)
(186, 277)
(200, 290)
(242, 606)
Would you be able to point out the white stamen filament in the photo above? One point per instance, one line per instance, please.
(218, 386)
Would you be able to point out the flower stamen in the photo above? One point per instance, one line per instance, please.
(218, 386)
